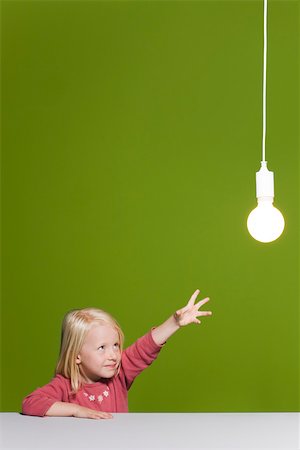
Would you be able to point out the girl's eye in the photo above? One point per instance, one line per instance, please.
(101, 347)
(116, 345)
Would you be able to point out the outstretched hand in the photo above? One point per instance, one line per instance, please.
(190, 312)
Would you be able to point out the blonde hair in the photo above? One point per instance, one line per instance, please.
(75, 327)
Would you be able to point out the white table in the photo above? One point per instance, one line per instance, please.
(153, 431)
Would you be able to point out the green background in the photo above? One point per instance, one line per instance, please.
(131, 134)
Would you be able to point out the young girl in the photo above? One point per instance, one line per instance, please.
(93, 373)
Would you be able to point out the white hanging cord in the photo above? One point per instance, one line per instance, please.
(264, 82)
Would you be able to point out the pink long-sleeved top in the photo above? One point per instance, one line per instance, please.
(109, 394)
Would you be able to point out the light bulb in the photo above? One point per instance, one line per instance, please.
(265, 223)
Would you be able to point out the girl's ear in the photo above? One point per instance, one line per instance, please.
(78, 359)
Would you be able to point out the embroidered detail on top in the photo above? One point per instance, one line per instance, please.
(100, 398)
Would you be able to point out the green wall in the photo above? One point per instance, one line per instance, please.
(131, 135)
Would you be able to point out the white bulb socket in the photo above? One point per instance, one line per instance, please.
(264, 182)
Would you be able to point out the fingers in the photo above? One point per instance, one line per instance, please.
(190, 312)
(204, 313)
(106, 416)
(193, 297)
(202, 302)
(92, 414)
(100, 415)
(88, 413)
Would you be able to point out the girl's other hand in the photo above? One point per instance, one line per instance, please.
(87, 413)
(190, 312)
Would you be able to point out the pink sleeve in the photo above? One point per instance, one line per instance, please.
(39, 401)
(138, 357)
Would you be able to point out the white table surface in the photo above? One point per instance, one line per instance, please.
(153, 431)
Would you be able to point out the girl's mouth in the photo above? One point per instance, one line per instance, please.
(111, 366)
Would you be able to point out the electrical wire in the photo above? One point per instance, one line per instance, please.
(264, 82)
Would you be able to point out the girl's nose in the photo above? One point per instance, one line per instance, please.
(111, 354)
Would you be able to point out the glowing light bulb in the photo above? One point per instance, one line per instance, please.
(265, 223)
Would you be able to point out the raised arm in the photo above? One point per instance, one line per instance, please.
(182, 317)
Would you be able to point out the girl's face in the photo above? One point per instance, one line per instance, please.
(100, 354)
